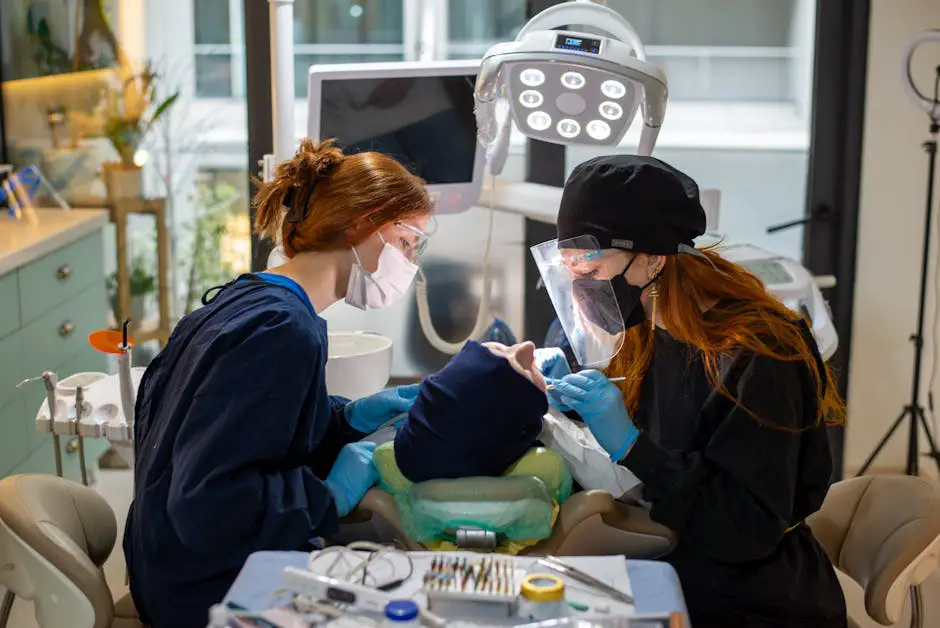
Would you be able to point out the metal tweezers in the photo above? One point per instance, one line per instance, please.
(564, 569)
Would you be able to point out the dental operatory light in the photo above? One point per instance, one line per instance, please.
(568, 87)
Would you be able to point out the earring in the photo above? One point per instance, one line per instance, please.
(654, 295)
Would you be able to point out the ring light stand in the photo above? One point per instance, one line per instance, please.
(914, 412)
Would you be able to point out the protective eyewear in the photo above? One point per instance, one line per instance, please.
(411, 240)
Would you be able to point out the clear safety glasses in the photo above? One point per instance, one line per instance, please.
(410, 240)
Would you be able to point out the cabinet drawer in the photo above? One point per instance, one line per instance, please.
(13, 436)
(60, 333)
(11, 368)
(60, 275)
(9, 304)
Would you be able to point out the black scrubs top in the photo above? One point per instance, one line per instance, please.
(736, 491)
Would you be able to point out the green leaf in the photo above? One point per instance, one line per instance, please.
(164, 106)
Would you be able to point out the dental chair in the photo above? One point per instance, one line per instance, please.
(883, 533)
(529, 510)
(55, 535)
(589, 523)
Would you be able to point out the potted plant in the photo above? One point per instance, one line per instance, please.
(133, 108)
(142, 284)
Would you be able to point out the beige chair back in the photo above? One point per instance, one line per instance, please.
(884, 533)
(52, 528)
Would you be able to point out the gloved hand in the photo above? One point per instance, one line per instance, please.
(351, 476)
(551, 362)
(600, 404)
(368, 413)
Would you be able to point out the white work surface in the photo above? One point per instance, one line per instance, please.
(654, 585)
(22, 241)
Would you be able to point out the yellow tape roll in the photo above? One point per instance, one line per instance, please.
(543, 587)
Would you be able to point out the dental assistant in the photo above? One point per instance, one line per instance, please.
(238, 446)
(724, 410)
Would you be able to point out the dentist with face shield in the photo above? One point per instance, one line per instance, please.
(238, 446)
(725, 403)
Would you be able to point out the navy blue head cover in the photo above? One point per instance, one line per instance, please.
(476, 416)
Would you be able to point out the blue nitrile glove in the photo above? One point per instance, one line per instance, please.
(351, 476)
(600, 404)
(554, 395)
(551, 362)
(369, 413)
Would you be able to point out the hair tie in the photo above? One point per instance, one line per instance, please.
(295, 215)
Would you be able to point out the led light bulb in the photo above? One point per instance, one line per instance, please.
(531, 77)
(539, 120)
(572, 80)
(598, 129)
(610, 110)
(531, 98)
(568, 128)
(613, 89)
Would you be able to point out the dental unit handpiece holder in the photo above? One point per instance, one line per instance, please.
(119, 344)
(79, 407)
(50, 380)
(914, 411)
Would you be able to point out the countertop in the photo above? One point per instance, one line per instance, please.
(22, 242)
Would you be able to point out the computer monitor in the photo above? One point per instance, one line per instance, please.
(419, 113)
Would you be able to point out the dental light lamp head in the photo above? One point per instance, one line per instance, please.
(567, 87)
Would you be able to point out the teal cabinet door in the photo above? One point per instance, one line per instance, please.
(14, 438)
(9, 304)
(11, 369)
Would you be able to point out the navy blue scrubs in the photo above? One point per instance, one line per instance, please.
(234, 436)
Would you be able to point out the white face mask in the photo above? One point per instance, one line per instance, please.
(388, 284)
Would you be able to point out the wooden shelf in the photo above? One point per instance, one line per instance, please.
(159, 328)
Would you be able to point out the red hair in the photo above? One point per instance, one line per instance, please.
(743, 316)
(336, 200)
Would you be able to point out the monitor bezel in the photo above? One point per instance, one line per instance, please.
(449, 198)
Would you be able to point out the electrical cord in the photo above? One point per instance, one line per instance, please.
(483, 319)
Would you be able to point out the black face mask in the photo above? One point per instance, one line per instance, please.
(598, 310)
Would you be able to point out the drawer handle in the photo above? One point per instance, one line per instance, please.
(66, 329)
(72, 446)
(64, 272)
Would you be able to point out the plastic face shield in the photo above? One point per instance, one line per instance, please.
(585, 304)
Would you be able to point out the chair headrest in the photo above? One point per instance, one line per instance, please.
(44, 509)
(878, 530)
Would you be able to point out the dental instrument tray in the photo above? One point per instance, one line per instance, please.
(462, 579)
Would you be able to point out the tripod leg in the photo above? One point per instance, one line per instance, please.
(934, 453)
(884, 441)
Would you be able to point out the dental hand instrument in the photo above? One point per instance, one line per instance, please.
(612, 380)
(550, 562)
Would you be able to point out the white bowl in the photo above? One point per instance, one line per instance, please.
(359, 364)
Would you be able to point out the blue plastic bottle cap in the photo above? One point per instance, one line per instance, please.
(401, 610)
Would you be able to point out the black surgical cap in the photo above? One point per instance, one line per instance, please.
(633, 203)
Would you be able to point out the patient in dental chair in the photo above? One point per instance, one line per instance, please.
(485, 414)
